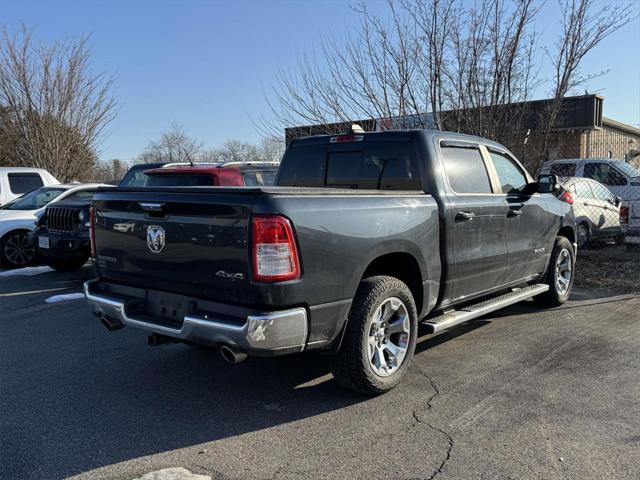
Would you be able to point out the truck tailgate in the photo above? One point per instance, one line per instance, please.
(193, 241)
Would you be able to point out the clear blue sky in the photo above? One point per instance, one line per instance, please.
(205, 64)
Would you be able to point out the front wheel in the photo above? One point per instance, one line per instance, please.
(560, 274)
(16, 250)
(379, 338)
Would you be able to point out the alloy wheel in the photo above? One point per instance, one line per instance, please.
(19, 250)
(564, 271)
(388, 340)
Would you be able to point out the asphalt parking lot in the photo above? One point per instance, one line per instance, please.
(524, 393)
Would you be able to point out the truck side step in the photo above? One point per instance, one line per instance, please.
(456, 317)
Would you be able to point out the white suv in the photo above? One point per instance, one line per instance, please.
(15, 181)
(621, 178)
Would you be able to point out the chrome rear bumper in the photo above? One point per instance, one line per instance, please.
(267, 333)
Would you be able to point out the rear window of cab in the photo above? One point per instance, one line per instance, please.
(357, 165)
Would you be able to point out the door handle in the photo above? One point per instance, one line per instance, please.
(464, 216)
(514, 213)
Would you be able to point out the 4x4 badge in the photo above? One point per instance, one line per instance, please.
(155, 238)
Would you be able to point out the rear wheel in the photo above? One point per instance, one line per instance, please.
(66, 265)
(583, 234)
(559, 274)
(380, 337)
(16, 250)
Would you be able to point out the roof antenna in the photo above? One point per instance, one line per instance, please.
(188, 156)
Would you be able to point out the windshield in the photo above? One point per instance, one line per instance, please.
(34, 200)
(628, 170)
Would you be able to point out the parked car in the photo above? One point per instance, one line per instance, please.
(618, 176)
(596, 209)
(61, 236)
(630, 224)
(16, 181)
(135, 175)
(227, 174)
(364, 236)
(18, 218)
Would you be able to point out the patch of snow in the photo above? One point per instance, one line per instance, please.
(26, 271)
(177, 473)
(65, 297)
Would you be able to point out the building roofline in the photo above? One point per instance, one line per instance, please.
(609, 122)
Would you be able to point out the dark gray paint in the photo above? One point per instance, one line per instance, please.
(338, 232)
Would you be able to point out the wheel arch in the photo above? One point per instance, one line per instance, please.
(569, 233)
(14, 230)
(403, 266)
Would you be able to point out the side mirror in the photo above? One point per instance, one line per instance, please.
(548, 184)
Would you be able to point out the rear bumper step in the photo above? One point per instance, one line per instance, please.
(268, 333)
(456, 317)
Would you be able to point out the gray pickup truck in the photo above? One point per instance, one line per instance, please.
(364, 236)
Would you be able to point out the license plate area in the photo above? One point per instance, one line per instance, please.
(44, 242)
(168, 307)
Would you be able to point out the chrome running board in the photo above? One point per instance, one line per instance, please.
(456, 317)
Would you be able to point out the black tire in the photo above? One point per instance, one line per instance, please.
(555, 296)
(583, 234)
(352, 365)
(16, 249)
(66, 265)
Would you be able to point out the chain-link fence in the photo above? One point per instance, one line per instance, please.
(605, 194)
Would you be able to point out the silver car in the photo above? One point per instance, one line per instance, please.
(596, 209)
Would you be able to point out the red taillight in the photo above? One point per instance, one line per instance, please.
(346, 138)
(624, 214)
(566, 197)
(275, 256)
(92, 233)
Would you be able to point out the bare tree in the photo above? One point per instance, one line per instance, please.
(53, 109)
(445, 64)
(174, 145)
(110, 171)
(583, 27)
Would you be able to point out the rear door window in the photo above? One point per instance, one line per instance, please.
(20, 183)
(604, 173)
(582, 190)
(466, 170)
(563, 169)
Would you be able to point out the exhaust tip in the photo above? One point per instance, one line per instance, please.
(110, 324)
(232, 355)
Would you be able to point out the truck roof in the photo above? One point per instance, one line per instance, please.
(396, 135)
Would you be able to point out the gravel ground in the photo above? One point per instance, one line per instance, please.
(609, 268)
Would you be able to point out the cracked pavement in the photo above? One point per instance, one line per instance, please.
(522, 393)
